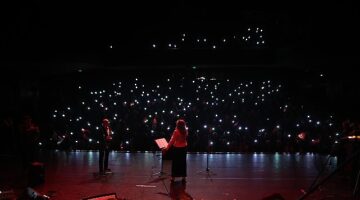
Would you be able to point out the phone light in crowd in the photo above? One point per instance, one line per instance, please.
(302, 136)
(252, 94)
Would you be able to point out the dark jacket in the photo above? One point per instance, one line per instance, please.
(103, 142)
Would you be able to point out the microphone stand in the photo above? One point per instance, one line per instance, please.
(207, 171)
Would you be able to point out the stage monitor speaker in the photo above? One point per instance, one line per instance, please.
(110, 196)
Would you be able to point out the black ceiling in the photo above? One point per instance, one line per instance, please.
(80, 32)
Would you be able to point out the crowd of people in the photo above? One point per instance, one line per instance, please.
(224, 115)
(221, 114)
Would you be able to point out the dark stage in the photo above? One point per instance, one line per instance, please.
(70, 175)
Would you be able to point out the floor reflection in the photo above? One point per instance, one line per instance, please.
(230, 176)
(178, 191)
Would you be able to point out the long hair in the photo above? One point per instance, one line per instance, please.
(181, 126)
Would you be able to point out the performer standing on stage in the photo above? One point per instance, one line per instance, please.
(104, 142)
(179, 143)
(29, 138)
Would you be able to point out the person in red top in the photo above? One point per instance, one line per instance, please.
(179, 143)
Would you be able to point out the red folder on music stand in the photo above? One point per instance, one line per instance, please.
(161, 142)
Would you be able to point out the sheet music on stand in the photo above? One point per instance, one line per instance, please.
(161, 142)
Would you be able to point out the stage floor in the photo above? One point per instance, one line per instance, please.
(70, 175)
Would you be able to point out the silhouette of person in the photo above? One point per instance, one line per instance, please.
(29, 136)
(104, 146)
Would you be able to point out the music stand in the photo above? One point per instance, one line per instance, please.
(161, 143)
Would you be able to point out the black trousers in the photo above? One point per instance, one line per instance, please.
(178, 168)
(103, 159)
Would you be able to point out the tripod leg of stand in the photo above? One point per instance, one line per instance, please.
(351, 158)
(207, 171)
(356, 187)
(322, 170)
(161, 172)
(167, 191)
